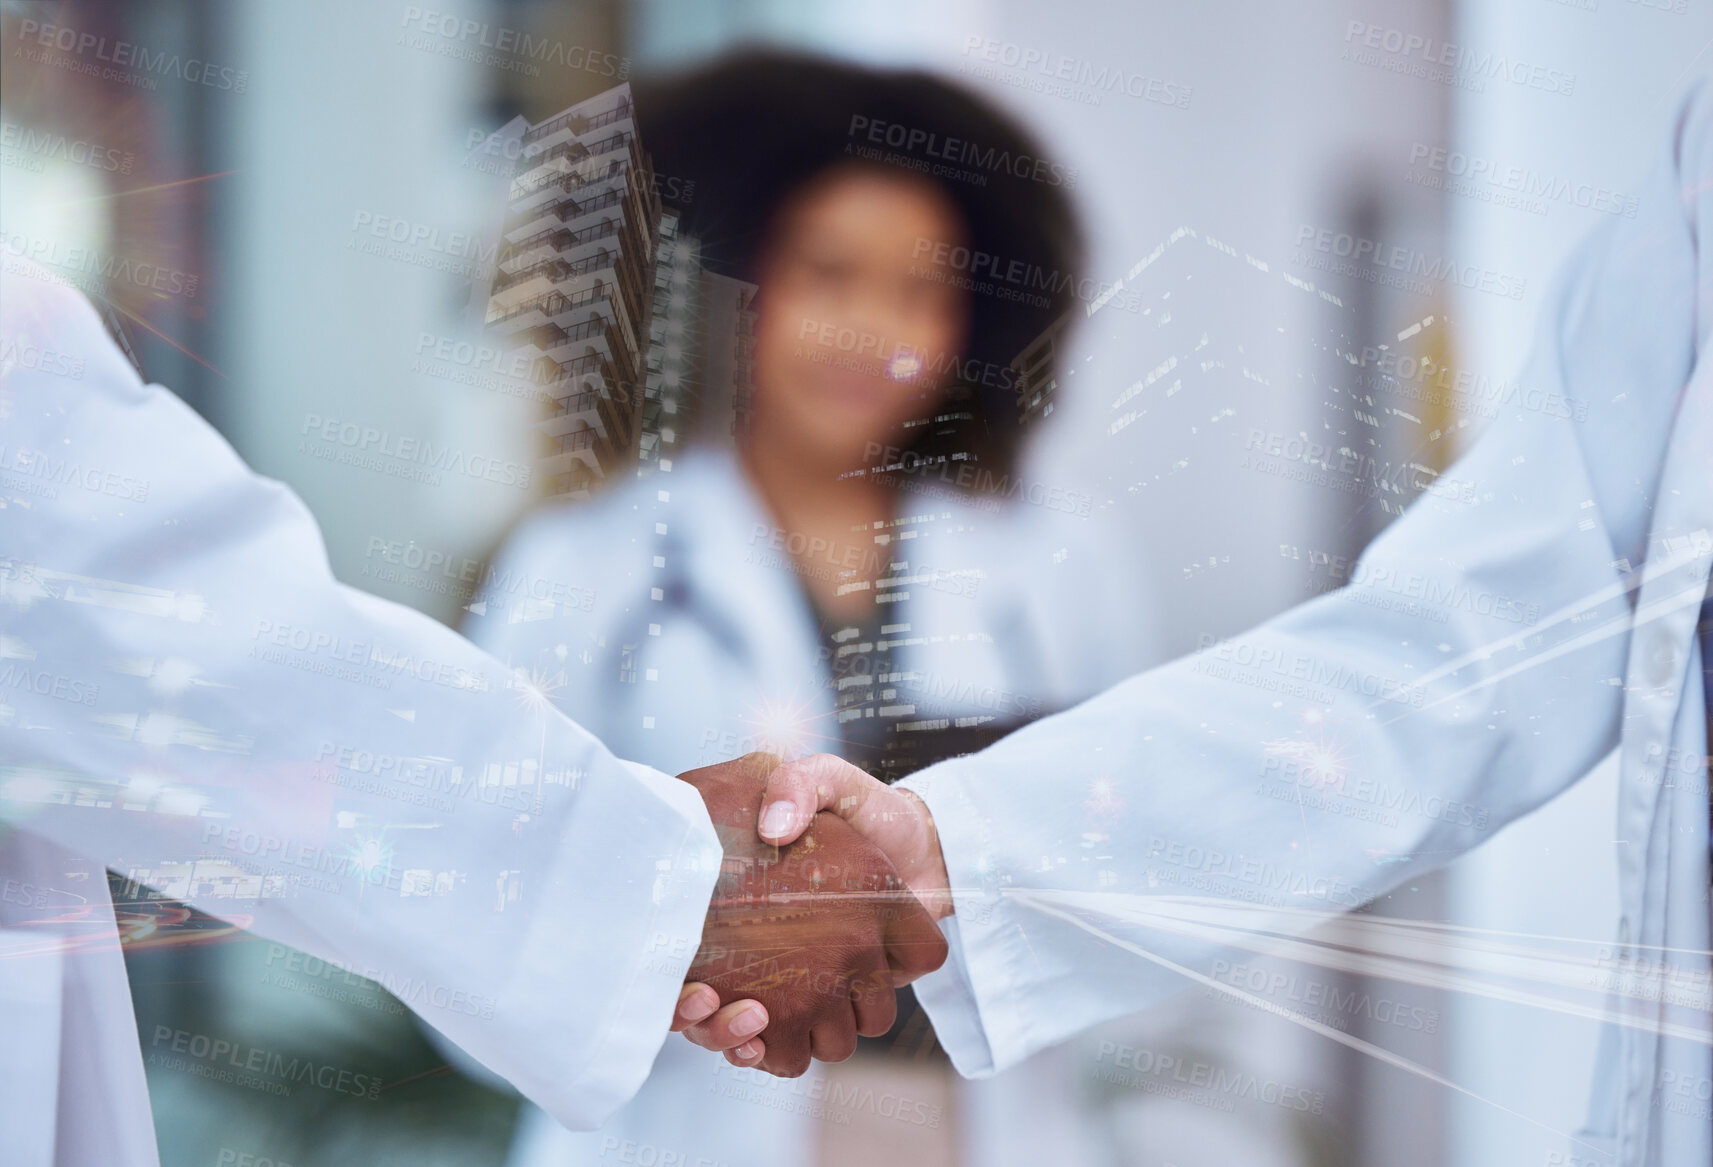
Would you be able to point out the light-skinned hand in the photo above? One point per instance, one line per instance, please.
(890, 817)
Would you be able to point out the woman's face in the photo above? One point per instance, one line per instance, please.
(855, 316)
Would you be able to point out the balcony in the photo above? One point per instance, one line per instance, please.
(584, 410)
(587, 245)
(568, 181)
(588, 328)
(572, 374)
(576, 151)
(576, 403)
(560, 240)
(564, 211)
(543, 304)
(541, 248)
(577, 482)
(577, 123)
(558, 270)
(618, 113)
(583, 172)
(582, 449)
(592, 338)
(552, 269)
(602, 258)
(590, 234)
(575, 210)
(563, 241)
(574, 441)
(554, 303)
(550, 305)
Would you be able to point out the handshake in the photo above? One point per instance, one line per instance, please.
(827, 900)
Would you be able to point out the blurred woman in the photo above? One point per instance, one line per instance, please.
(846, 558)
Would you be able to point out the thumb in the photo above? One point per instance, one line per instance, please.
(796, 791)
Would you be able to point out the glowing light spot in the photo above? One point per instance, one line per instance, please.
(904, 366)
(535, 689)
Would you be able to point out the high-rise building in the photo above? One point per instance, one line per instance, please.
(673, 348)
(727, 312)
(1036, 384)
(575, 287)
(700, 339)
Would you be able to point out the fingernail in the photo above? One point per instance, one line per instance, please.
(776, 819)
(746, 1051)
(698, 1004)
(749, 1021)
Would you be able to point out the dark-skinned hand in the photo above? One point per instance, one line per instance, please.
(819, 932)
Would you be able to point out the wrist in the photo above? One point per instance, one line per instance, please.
(926, 875)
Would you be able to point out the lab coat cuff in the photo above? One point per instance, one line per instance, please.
(964, 997)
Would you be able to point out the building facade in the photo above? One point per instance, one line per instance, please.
(574, 290)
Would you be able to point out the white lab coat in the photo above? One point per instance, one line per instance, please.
(181, 678)
(1601, 523)
(666, 618)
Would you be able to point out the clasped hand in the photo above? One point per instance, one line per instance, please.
(812, 924)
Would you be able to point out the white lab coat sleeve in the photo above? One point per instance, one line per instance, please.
(1471, 670)
(188, 696)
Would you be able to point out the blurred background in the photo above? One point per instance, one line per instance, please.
(304, 217)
